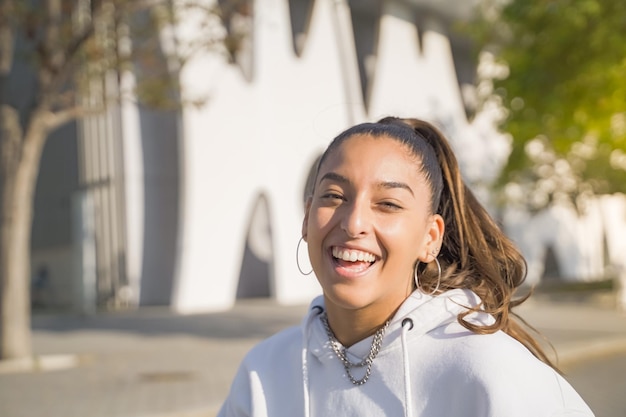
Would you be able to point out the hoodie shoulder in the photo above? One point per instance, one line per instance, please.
(266, 371)
(280, 345)
(284, 346)
(509, 376)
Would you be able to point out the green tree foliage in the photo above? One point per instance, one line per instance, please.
(564, 94)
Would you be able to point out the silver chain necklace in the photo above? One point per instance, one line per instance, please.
(340, 351)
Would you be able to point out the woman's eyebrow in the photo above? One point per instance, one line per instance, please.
(395, 184)
(333, 176)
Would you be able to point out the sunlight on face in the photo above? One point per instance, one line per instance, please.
(367, 223)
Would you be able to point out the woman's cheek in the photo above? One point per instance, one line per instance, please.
(322, 218)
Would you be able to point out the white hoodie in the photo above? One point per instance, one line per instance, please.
(429, 366)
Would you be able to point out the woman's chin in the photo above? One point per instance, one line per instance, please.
(347, 298)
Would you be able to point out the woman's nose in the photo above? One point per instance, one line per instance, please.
(356, 220)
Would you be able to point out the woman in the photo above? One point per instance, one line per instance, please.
(415, 317)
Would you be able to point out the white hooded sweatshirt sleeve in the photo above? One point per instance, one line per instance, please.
(429, 366)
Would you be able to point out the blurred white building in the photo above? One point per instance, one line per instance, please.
(197, 208)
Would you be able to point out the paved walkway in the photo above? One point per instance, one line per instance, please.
(151, 363)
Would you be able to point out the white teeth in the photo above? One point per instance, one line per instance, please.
(352, 255)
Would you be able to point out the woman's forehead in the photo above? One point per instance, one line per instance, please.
(383, 145)
(372, 154)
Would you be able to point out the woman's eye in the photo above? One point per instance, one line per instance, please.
(332, 196)
(388, 205)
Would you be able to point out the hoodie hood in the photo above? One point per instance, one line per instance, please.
(424, 312)
(418, 315)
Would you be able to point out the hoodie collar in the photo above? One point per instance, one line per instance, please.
(426, 313)
(418, 314)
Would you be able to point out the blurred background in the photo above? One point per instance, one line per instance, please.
(155, 156)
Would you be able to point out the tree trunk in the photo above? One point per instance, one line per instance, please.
(19, 163)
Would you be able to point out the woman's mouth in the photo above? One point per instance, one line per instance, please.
(352, 259)
(352, 255)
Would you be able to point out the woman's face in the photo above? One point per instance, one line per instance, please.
(367, 223)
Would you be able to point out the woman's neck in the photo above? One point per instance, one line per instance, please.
(352, 326)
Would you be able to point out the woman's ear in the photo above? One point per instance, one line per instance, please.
(305, 221)
(433, 239)
(438, 227)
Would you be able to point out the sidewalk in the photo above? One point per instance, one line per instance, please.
(151, 363)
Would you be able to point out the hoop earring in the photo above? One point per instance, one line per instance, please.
(417, 280)
(298, 258)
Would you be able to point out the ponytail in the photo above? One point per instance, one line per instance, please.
(475, 252)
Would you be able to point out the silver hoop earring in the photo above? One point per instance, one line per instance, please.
(298, 258)
(417, 280)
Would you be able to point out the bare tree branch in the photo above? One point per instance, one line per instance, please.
(59, 118)
(67, 60)
(10, 136)
(7, 36)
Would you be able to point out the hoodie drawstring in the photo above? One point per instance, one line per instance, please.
(305, 382)
(305, 361)
(407, 325)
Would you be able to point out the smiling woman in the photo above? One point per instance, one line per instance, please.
(369, 200)
(415, 317)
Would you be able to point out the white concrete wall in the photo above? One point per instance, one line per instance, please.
(263, 135)
(613, 211)
(578, 239)
(133, 189)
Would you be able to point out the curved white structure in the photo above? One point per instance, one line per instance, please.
(263, 135)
